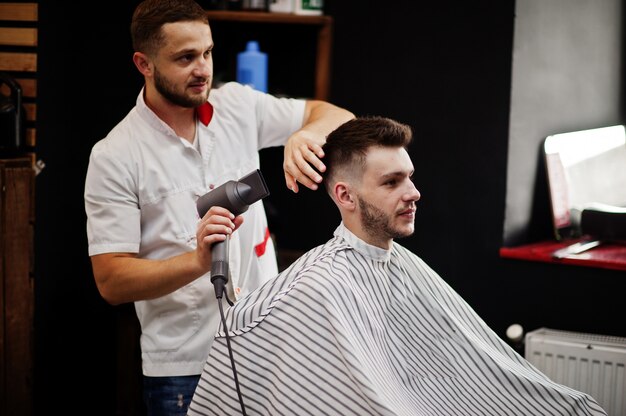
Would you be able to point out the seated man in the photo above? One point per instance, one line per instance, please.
(362, 326)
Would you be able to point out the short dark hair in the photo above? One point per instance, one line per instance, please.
(151, 15)
(346, 147)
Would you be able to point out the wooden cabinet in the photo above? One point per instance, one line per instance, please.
(16, 286)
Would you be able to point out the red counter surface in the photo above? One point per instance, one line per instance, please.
(606, 255)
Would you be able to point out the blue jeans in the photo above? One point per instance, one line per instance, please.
(169, 396)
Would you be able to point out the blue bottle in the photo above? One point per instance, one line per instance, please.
(252, 67)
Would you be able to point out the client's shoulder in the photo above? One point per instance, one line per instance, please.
(313, 273)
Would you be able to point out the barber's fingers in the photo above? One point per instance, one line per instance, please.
(308, 157)
(217, 211)
(303, 165)
(302, 161)
(238, 221)
(209, 234)
(313, 154)
(216, 225)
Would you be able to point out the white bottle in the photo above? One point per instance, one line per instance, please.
(281, 6)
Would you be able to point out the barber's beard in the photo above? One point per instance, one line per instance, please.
(168, 90)
(377, 223)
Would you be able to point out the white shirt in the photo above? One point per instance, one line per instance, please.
(140, 197)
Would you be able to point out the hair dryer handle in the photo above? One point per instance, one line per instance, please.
(219, 266)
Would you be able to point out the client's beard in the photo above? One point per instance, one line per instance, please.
(376, 222)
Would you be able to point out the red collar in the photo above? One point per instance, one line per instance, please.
(205, 113)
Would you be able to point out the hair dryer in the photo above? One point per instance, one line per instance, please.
(235, 196)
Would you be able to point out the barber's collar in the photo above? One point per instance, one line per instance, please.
(205, 113)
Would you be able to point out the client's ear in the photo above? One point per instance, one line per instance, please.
(343, 196)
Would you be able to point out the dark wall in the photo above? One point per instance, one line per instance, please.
(87, 83)
(443, 67)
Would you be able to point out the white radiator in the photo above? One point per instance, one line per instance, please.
(594, 364)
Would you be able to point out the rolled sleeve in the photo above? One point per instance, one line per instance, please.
(113, 215)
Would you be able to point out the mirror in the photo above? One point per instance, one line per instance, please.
(584, 168)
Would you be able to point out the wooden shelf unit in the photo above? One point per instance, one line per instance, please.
(18, 56)
(323, 25)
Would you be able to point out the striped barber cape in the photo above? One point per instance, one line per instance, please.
(352, 329)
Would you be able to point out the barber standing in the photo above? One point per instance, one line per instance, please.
(146, 242)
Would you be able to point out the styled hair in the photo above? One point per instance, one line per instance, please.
(150, 16)
(345, 150)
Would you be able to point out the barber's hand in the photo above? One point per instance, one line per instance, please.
(216, 224)
(302, 162)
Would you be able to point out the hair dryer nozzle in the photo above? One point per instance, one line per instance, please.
(258, 187)
(235, 196)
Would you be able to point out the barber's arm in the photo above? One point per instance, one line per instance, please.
(122, 277)
(303, 150)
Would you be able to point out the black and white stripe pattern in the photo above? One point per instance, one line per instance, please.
(351, 329)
